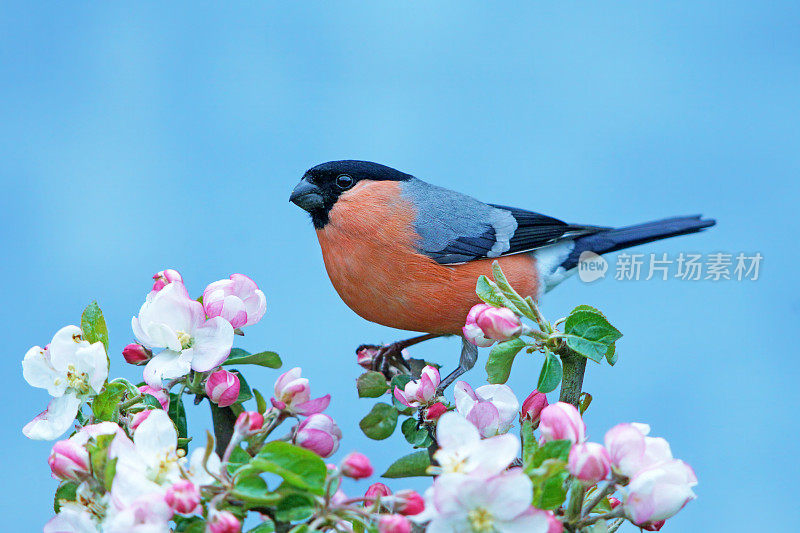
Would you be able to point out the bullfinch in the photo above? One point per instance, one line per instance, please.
(406, 254)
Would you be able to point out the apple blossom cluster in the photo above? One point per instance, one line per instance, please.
(126, 463)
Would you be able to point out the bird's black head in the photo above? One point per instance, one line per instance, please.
(322, 185)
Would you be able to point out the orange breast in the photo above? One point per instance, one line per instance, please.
(368, 249)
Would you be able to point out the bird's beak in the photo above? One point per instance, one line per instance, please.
(307, 196)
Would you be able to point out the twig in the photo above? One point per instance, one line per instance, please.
(574, 367)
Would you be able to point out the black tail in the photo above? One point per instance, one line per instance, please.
(612, 240)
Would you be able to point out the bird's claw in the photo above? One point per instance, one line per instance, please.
(388, 360)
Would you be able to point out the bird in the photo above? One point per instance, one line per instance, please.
(406, 254)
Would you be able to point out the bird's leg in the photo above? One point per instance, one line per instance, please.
(469, 355)
(391, 354)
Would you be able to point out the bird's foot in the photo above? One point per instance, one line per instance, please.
(386, 358)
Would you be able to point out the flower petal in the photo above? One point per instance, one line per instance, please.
(454, 431)
(311, 407)
(212, 344)
(167, 365)
(38, 372)
(55, 420)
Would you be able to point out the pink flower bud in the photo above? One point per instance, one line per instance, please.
(320, 434)
(222, 388)
(631, 450)
(394, 523)
(658, 492)
(248, 423)
(69, 460)
(222, 522)
(499, 323)
(375, 491)
(562, 421)
(136, 354)
(420, 392)
(589, 462)
(366, 356)
(293, 394)
(182, 497)
(472, 331)
(159, 394)
(613, 502)
(164, 278)
(137, 418)
(356, 465)
(434, 411)
(409, 502)
(653, 526)
(238, 300)
(532, 407)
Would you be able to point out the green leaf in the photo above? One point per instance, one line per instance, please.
(244, 389)
(611, 355)
(415, 435)
(588, 333)
(189, 524)
(261, 403)
(488, 291)
(110, 472)
(498, 365)
(253, 490)
(151, 401)
(66, 492)
(302, 528)
(105, 406)
(238, 458)
(177, 413)
(380, 422)
(294, 507)
(371, 385)
(94, 326)
(242, 357)
(510, 293)
(554, 449)
(297, 466)
(411, 465)
(400, 382)
(552, 492)
(98, 458)
(529, 444)
(267, 526)
(550, 375)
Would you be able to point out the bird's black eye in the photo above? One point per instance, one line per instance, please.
(344, 182)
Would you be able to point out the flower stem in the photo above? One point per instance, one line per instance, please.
(130, 403)
(574, 367)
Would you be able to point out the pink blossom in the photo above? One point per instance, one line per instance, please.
(159, 394)
(222, 388)
(408, 502)
(238, 300)
(499, 323)
(589, 462)
(420, 392)
(554, 525)
(472, 331)
(137, 418)
(659, 491)
(222, 522)
(293, 393)
(356, 465)
(562, 421)
(136, 354)
(164, 278)
(183, 497)
(532, 407)
(653, 526)
(631, 450)
(69, 460)
(320, 434)
(366, 356)
(463, 451)
(491, 408)
(394, 523)
(249, 422)
(434, 411)
(375, 491)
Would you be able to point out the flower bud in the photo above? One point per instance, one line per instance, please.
(409, 502)
(320, 434)
(375, 491)
(238, 300)
(562, 421)
(499, 323)
(164, 278)
(136, 354)
(159, 394)
(356, 465)
(472, 331)
(365, 356)
(631, 450)
(394, 523)
(222, 522)
(69, 460)
(532, 407)
(222, 388)
(434, 411)
(137, 418)
(653, 526)
(293, 394)
(420, 392)
(182, 497)
(659, 491)
(589, 462)
(248, 423)
(613, 502)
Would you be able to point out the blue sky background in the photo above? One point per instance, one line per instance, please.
(138, 138)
